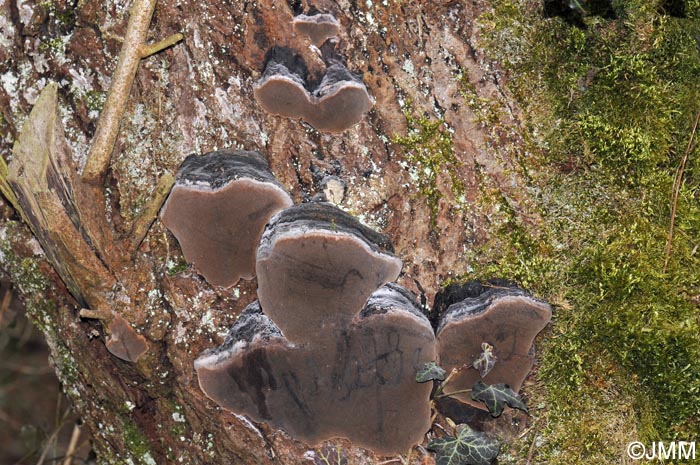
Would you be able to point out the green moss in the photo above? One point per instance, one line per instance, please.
(26, 274)
(137, 444)
(95, 100)
(607, 114)
(177, 267)
(429, 154)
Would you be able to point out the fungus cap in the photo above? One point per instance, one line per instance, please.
(338, 103)
(123, 341)
(318, 28)
(360, 387)
(218, 209)
(316, 263)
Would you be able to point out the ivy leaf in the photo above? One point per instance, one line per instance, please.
(486, 360)
(470, 447)
(496, 396)
(430, 371)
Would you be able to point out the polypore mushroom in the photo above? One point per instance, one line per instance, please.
(318, 28)
(318, 264)
(281, 89)
(334, 354)
(340, 100)
(361, 387)
(337, 104)
(218, 209)
(507, 320)
(123, 341)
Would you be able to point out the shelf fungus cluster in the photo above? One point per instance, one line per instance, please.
(338, 102)
(332, 346)
(330, 349)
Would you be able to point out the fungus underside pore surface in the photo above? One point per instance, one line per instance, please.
(607, 114)
(353, 376)
(218, 209)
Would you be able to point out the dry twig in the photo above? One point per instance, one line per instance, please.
(72, 445)
(678, 181)
(130, 55)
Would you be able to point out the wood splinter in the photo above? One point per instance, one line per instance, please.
(148, 215)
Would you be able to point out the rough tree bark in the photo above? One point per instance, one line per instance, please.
(417, 60)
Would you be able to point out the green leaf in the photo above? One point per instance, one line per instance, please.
(486, 359)
(470, 447)
(496, 396)
(430, 371)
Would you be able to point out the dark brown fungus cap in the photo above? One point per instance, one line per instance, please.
(123, 341)
(506, 318)
(361, 386)
(318, 265)
(218, 209)
(337, 104)
(318, 28)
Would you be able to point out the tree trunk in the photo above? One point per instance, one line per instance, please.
(415, 180)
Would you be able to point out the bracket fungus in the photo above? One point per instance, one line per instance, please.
(318, 28)
(317, 263)
(335, 105)
(123, 341)
(328, 351)
(507, 320)
(218, 209)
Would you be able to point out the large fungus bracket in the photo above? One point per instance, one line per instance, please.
(329, 350)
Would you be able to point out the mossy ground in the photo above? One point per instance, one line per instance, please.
(608, 113)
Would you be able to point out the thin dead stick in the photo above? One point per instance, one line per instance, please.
(6, 300)
(148, 50)
(144, 221)
(531, 452)
(102, 315)
(676, 191)
(70, 452)
(133, 50)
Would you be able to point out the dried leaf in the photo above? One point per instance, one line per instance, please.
(486, 360)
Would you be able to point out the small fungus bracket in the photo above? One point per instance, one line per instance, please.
(318, 28)
(122, 339)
